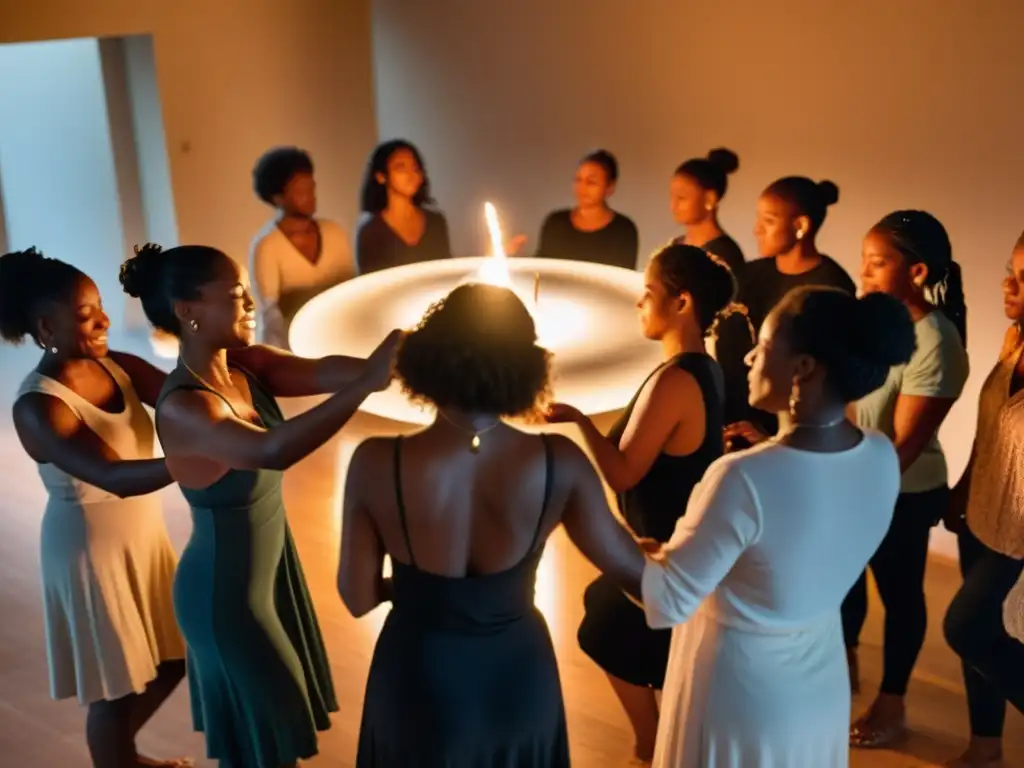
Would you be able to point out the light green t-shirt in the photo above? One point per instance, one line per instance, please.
(938, 368)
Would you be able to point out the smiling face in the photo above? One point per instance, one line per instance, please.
(225, 310)
(77, 328)
(591, 185)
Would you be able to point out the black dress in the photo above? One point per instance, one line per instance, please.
(616, 244)
(614, 631)
(723, 246)
(379, 247)
(464, 673)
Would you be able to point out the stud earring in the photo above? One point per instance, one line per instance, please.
(709, 207)
(53, 350)
(194, 325)
(794, 400)
(799, 234)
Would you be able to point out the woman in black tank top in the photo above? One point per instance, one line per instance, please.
(652, 458)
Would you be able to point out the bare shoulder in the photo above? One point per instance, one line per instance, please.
(38, 410)
(676, 381)
(371, 452)
(191, 406)
(570, 460)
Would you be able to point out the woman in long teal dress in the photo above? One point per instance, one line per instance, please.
(464, 674)
(257, 667)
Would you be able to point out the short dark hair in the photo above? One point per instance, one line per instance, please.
(921, 239)
(606, 160)
(30, 283)
(159, 278)
(276, 168)
(374, 196)
(711, 172)
(710, 283)
(810, 198)
(476, 350)
(857, 340)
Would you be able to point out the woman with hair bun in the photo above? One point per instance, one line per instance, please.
(697, 188)
(107, 564)
(652, 458)
(258, 671)
(591, 230)
(464, 672)
(790, 213)
(755, 572)
(907, 255)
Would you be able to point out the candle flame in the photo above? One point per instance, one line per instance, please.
(495, 269)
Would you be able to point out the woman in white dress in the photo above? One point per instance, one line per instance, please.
(107, 564)
(772, 540)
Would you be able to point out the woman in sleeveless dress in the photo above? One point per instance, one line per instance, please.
(258, 670)
(772, 540)
(107, 563)
(652, 458)
(464, 674)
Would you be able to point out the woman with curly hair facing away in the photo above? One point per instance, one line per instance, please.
(258, 671)
(697, 189)
(771, 542)
(107, 563)
(652, 458)
(399, 226)
(464, 673)
(297, 255)
(908, 256)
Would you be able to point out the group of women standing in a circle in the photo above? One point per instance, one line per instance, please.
(731, 609)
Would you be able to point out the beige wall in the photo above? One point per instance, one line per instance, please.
(236, 77)
(903, 103)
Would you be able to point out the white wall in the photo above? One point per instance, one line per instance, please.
(56, 159)
(902, 103)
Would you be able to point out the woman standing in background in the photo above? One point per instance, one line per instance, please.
(297, 255)
(986, 511)
(790, 213)
(696, 191)
(398, 227)
(591, 231)
(908, 256)
(107, 564)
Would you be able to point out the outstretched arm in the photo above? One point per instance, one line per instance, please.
(361, 581)
(52, 433)
(590, 524)
(721, 521)
(288, 375)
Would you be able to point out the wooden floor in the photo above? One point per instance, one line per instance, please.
(36, 732)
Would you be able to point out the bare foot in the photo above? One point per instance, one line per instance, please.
(983, 752)
(882, 725)
(175, 762)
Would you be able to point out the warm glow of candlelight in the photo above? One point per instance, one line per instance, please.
(495, 270)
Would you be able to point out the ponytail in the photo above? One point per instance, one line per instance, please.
(948, 297)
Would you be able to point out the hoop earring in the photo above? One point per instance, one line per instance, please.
(193, 325)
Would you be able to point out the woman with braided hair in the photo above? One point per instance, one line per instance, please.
(907, 255)
(107, 564)
(652, 458)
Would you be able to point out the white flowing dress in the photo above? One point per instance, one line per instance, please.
(107, 563)
(752, 581)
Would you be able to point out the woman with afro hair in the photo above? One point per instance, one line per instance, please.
(297, 255)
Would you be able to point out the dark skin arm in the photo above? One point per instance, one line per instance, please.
(199, 424)
(288, 375)
(915, 420)
(51, 433)
(590, 524)
(146, 378)
(361, 581)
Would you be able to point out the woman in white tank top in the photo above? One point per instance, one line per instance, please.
(106, 561)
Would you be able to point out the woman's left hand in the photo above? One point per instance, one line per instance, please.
(651, 548)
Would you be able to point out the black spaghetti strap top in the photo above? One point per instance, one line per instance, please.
(475, 603)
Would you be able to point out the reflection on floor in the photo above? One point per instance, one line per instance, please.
(35, 731)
